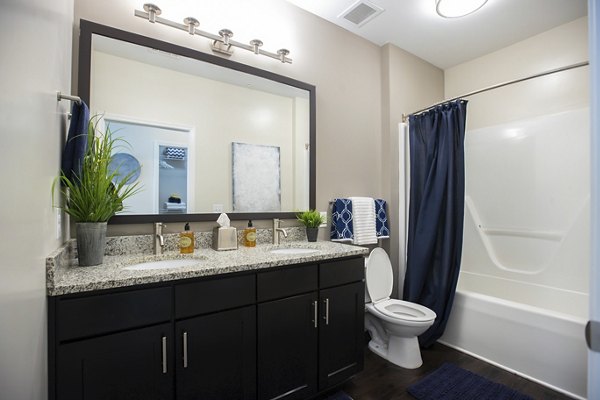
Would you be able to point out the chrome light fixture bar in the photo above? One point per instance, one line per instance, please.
(221, 43)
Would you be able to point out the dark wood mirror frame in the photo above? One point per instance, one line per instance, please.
(88, 29)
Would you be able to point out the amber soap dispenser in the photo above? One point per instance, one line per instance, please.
(186, 240)
(250, 235)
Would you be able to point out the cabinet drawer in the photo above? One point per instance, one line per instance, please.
(213, 295)
(105, 313)
(287, 282)
(342, 271)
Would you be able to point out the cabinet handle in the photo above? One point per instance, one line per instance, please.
(326, 317)
(185, 350)
(316, 311)
(164, 354)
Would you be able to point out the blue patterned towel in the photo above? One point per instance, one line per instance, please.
(342, 229)
(341, 221)
(381, 221)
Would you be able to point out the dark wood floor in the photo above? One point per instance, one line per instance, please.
(381, 380)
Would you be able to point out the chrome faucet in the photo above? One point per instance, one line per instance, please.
(278, 229)
(159, 239)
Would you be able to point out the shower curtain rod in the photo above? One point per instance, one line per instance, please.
(499, 85)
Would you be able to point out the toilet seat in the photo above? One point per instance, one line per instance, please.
(404, 310)
(379, 281)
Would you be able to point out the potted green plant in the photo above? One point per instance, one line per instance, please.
(311, 219)
(94, 197)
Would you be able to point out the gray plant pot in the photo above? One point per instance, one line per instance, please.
(91, 242)
(311, 234)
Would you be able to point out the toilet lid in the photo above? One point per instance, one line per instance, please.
(379, 276)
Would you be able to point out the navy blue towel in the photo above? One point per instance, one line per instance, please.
(341, 221)
(76, 144)
(381, 220)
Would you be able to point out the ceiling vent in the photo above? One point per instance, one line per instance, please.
(361, 12)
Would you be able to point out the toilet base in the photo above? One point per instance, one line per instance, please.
(403, 352)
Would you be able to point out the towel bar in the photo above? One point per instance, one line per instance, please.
(60, 96)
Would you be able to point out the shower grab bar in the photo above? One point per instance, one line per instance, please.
(487, 244)
(526, 233)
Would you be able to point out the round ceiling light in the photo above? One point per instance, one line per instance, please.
(457, 8)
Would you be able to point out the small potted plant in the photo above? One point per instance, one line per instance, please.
(311, 219)
(94, 197)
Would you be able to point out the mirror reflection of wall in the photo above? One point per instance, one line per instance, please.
(172, 179)
(162, 173)
(165, 90)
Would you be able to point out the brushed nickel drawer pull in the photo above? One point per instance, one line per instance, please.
(185, 350)
(164, 354)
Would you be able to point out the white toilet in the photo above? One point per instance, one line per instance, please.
(393, 324)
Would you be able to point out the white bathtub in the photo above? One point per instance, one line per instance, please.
(543, 345)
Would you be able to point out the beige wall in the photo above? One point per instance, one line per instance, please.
(558, 47)
(408, 84)
(32, 32)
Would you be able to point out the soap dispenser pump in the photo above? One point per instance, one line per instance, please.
(250, 235)
(186, 240)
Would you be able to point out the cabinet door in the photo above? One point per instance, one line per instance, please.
(216, 356)
(130, 365)
(287, 348)
(341, 333)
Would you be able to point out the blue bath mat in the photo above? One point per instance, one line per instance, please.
(450, 382)
(339, 396)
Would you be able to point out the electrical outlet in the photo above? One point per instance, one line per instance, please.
(324, 216)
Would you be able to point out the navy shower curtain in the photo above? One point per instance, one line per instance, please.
(436, 211)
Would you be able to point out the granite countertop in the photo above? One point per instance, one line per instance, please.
(64, 276)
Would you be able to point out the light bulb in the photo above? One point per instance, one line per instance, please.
(457, 8)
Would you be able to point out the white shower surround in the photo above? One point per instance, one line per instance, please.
(522, 296)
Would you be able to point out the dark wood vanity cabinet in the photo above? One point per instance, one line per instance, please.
(341, 334)
(111, 346)
(311, 339)
(286, 333)
(216, 356)
(341, 329)
(215, 349)
(125, 365)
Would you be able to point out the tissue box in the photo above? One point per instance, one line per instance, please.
(224, 238)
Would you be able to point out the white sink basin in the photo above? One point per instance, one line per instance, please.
(162, 264)
(293, 250)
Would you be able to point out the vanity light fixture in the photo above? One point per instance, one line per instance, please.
(282, 53)
(192, 23)
(153, 10)
(221, 43)
(457, 8)
(223, 46)
(256, 44)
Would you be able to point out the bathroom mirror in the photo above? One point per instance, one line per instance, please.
(211, 135)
